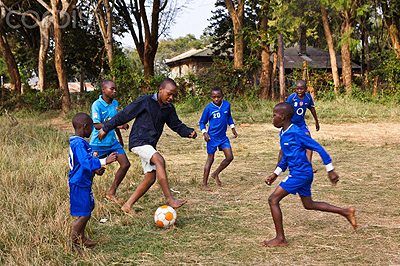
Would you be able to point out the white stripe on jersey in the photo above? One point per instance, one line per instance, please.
(71, 159)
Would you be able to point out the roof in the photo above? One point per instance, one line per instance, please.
(316, 58)
(205, 52)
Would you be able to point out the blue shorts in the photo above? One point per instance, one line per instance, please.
(294, 185)
(217, 142)
(81, 200)
(103, 151)
(304, 128)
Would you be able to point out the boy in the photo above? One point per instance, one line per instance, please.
(151, 113)
(82, 166)
(104, 109)
(293, 145)
(218, 115)
(301, 101)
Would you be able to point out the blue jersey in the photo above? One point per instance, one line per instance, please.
(102, 112)
(218, 118)
(300, 107)
(294, 143)
(81, 162)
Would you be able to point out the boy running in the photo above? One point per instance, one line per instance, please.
(104, 109)
(218, 115)
(293, 145)
(151, 112)
(82, 166)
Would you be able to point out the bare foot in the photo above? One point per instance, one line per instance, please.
(206, 188)
(128, 210)
(275, 243)
(175, 203)
(351, 216)
(75, 248)
(88, 243)
(217, 181)
(314, 171)
(114, 198)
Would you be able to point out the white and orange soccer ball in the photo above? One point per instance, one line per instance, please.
(165, 216)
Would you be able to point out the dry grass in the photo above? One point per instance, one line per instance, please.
(224, 227)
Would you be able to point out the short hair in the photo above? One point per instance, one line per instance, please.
(217, 89)
(80, 119)
(105, 82)
(301, 83)
(285, 108)
(167, 81)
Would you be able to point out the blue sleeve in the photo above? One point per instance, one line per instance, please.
(176, 125)
(204, 118)
(283, 163)
(310, 144)
(126, 115)
(290, 98)
(96, 113)
(230, 119)
(85, 159)
(311, 103)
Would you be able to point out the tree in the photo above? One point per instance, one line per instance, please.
(391, 13)
(331, 48)
(237, 15)
(12, 67)
(281, 68)
(146, 31)
(265, 78)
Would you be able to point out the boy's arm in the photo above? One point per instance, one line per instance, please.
(176, 125)
(86, 160)
(202, 124)
(314, 114)
(231, 123)
(281, 167)
(119, 135)
(310, 144)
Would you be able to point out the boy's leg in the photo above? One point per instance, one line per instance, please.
(78, 230)
(159, 162)
(207, 167)
(349, 213)
(119, 176)
(150, 178)
(273, 200)
(228, 159)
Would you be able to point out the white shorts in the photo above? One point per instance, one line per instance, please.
(145, 153)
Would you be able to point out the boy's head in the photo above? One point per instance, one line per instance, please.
(301, 88)
(166, 91)
(217, 95)
(82, 124)
(283, 112)
(108, 88)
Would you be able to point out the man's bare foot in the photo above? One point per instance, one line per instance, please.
(128, 210)
(275, 243)
(175, 203)
(351, 216)
(75, 248)
(217, 181)
(114, 198)
(88, 243)
(206, 188)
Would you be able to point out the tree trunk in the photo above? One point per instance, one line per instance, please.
(59, 58)
(44, 46)
(148, 58)
(237, 19)
(367, 57)
(265, 78)
(346, 54)
(390, 22)
(104, 19)
(281, 68)
(331, 47)
(82, 80)
(273, 75)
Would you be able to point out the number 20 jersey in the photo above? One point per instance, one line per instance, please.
(218, 119)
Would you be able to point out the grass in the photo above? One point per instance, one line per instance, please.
(224, 227)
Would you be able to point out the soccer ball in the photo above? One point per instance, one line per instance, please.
(165, 216)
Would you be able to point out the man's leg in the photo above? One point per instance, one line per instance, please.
(349, 213)
(207, 167)
(150, 178)
(159, 162)
(119, 176)
(228, 159)
(273, 200)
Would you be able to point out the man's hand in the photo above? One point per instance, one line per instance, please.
(234, 133)
(333, 177)
(102, 134)
(100, 171)
(124, 126)
(111, 158)
(270, 179)
(193, 135)
(317, 125)
(206, 136)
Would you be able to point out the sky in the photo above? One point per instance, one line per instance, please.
(192, 20)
